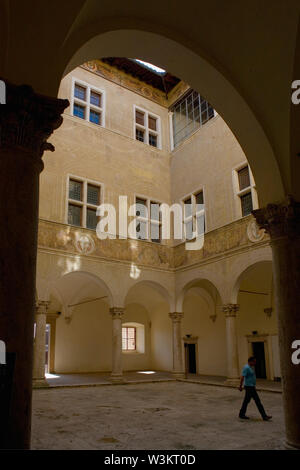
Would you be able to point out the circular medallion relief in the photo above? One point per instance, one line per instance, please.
(84, 244)
(255, 234)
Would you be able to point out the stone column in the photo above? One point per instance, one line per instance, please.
(282, 222)
(26, 121)
(117, 370)
(176, 318)
(39, 349)
(233, 373)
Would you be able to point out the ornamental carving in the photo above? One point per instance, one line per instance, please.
(280, 220)
(28, 119)
(84, 244)
(255, 234)
(230, 310)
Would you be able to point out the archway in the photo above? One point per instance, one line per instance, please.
(149, 303)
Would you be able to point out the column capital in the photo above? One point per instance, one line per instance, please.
(230, 310)
(117, 312)
(280, 220)
(28, 119)
(41, 307)
(176, 316)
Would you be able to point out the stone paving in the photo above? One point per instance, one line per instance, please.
(162, 415)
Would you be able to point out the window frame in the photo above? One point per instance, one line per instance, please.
(194, 214)
(83, 203)
(148, 220)
(147, 130)
(87, 104)
(174, 143)
(238, 193)
(126, 350)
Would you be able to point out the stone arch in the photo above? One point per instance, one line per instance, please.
(244, 270)
(205, 288)
(162, 290)
(197, 69)
(68, 287)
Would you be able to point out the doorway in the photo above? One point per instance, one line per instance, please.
(191, 366)
(47, 348)
(258, 348)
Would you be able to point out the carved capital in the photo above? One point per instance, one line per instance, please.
(117, 312)
(176, 316)
(230, 310)
(41, 307)
(280, 220)
(28, 119)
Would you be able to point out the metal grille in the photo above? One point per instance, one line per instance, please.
(244, 178)
(75, 190)
(91, 219)
(247, 206)
(93, 193)
(189, 114)
(74, 215)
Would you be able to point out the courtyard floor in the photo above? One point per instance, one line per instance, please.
(168, 415)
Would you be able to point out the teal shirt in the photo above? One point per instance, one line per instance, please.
(250, 377)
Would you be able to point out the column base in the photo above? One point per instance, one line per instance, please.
(40, 383)
(117, 378)
(232, 382)
(178, 375)
(289, 446)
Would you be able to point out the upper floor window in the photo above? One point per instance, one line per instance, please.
(148, 220)
(128, 338)
(147, 128)
(245, 193)
(188, 114)
(193, 215)
(88, 103)
(83, 200)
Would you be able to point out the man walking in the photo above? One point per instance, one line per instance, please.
(248, 378)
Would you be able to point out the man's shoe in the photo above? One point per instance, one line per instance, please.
(267, 418)
(243, 417)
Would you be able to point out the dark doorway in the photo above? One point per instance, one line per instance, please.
(191, 358)
(258, 348)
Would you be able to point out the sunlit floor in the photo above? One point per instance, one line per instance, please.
(162, 415)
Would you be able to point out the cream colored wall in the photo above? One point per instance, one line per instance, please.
(133, 360)
(84, 344)
(161, 339)
(251, 317)
(109, 155)
(211, 358)
(205, 161)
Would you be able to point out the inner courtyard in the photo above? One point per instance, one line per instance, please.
(163, 416)
(150, 214)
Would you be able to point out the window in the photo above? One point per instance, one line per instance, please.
(83, 200)
(191, 112)
(148, 220)
(128, 338)
(147, 128)
(194, 215)
(245, 190)
(88, 103)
